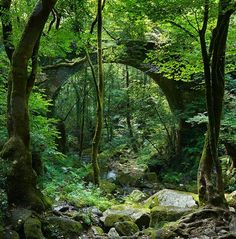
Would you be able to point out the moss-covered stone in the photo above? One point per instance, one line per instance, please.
(134, 212)
(172, 198)
(231, 199)
(129, 178)
(59, 227)
(107, 186)
(84, 218)
(151, 233)
(113, 234)
(96, 231)
(32, 229)
(126, 228)
(111, 219)
(135, 197)
(160, 215)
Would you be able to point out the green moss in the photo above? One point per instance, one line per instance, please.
(126, 228)
(161, 215)
(111, 219)
(151, 202)
(57, 227)
(107, 186)
(151, 233)
(135, 197)
(32, 229)
(97, 231)
(231, 199)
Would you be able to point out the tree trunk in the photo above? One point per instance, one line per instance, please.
(100, 96)
(231, 151)
(128, 111)
(85, 93)
(214, 63)
(22, 179)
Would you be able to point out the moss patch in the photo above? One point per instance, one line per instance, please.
(126, 228)
(111, 219)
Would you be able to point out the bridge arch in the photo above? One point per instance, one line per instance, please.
(179, 94)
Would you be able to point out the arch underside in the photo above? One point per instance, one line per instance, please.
(177, 93)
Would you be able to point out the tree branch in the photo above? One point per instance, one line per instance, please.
(94, 76)
(96, 18)
(7, 27)
(34, 59)
(182, 28)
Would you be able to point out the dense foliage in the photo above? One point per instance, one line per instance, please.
(155, 118)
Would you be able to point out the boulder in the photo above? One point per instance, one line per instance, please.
(126, 228)
(162, 214)
(112, 218)
(231, 199)
(171, 198)
(121, 213)
(113, 234)
(32, 229)
(151, 233)
(136, 196)
(128, 174)
(108, 187)
(61, 227)
(96, 231)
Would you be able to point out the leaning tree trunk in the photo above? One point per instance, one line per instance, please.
(214, 63)
(21, 181)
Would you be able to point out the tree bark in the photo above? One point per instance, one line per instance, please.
(128, 111)
(100, 96)
(211, 192)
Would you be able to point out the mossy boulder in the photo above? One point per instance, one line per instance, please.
(32, 229)
(128, 174)
(135, 196)
(113, 234)
(161, 215)
(111, 219)
(126, 228)
(231, 199)
(120, 213)
(172, 198)
(151, 233)
(96, 231)
(107, 186)
(61, 227)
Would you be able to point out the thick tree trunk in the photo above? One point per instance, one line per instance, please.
(21, 181)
